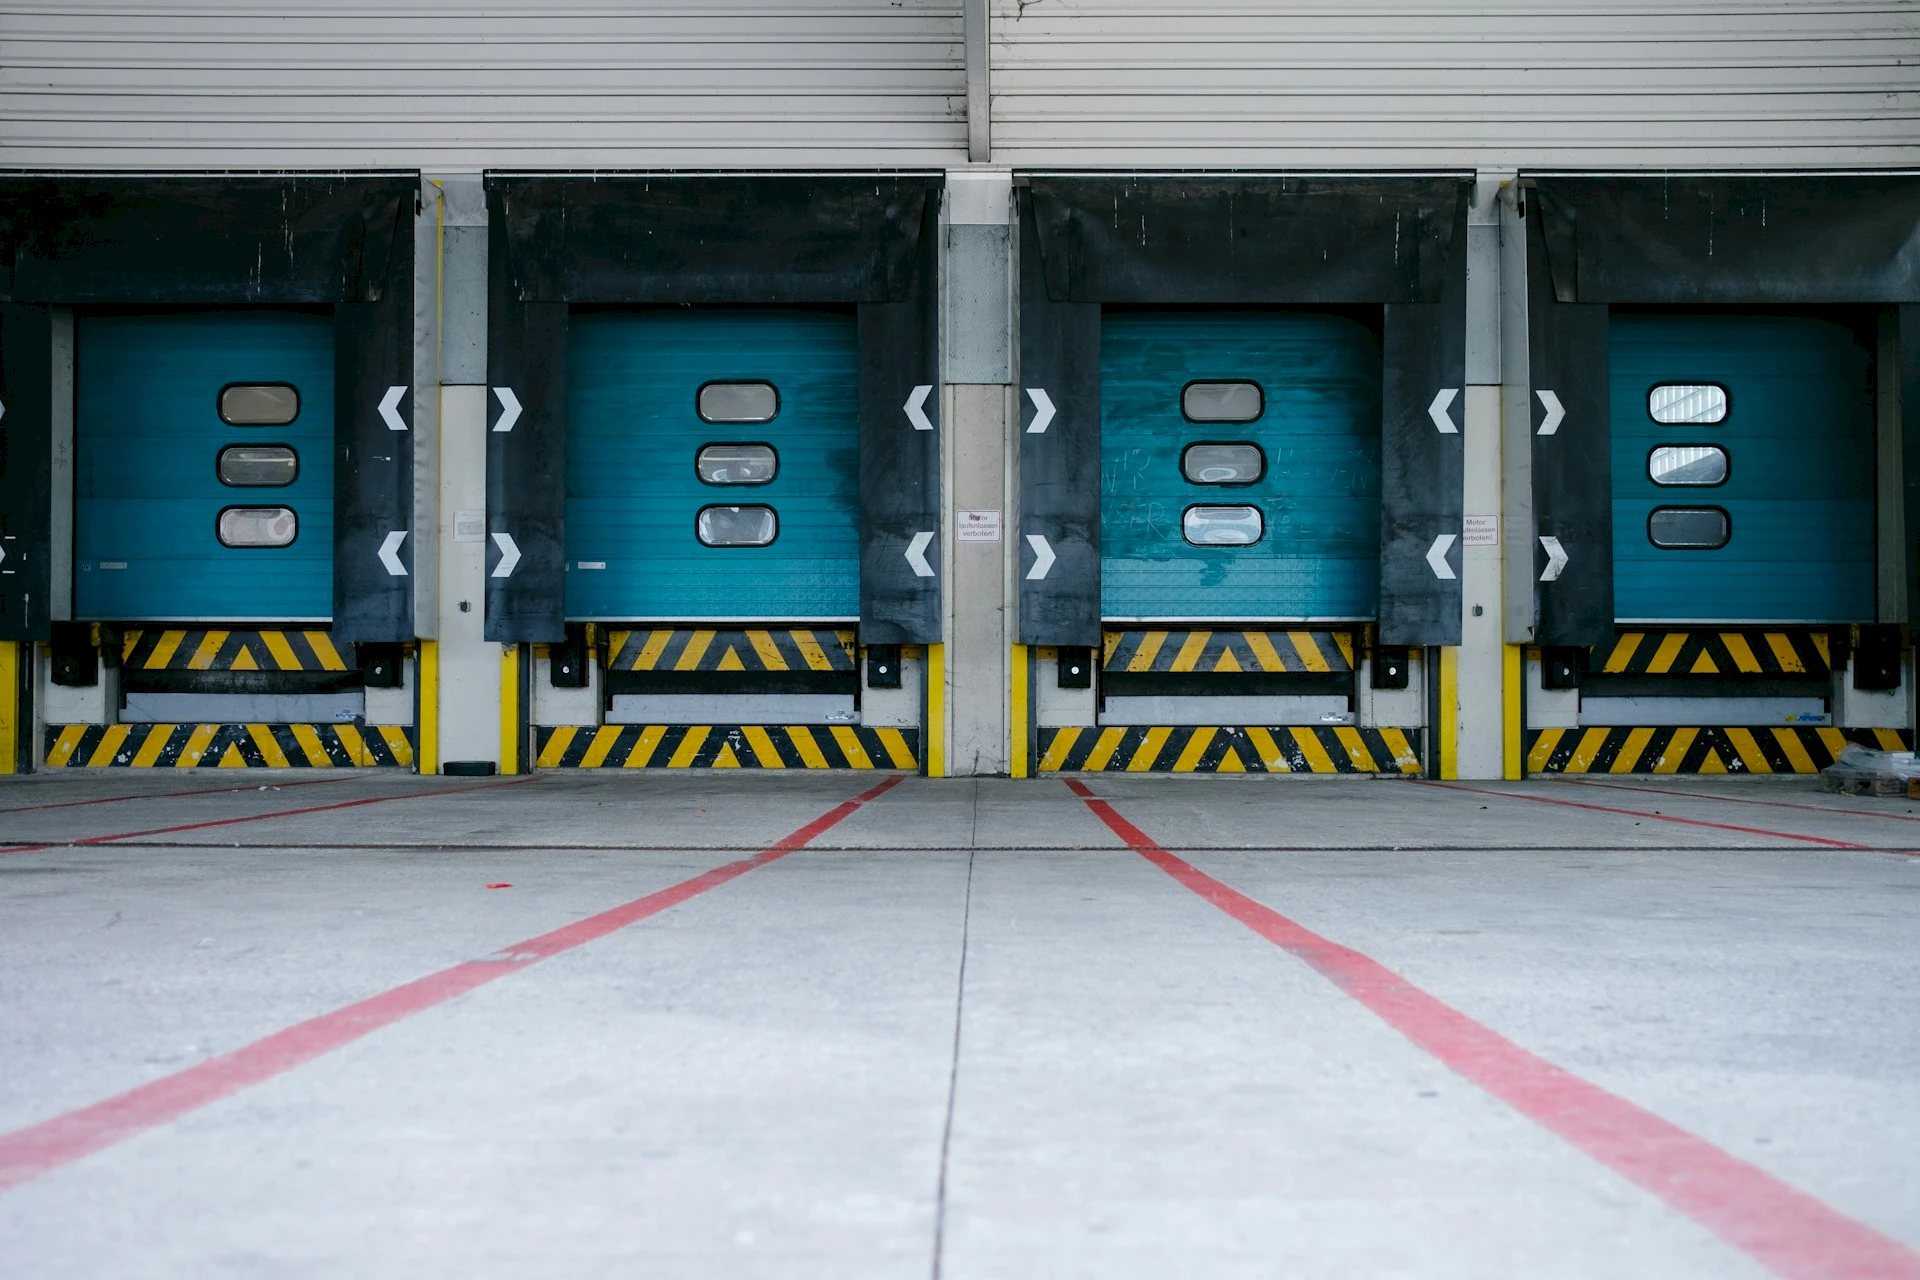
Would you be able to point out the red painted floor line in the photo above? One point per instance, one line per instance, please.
(39, 1149)
(168, 795)
(8, 850)
(1725, 799)
(1641, 813)
(1781, 1227)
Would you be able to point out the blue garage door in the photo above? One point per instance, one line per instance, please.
(1743, 469)
(204, 467)
(1240, 466)
(713, 465)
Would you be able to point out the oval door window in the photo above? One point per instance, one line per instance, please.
(1689, 402)
(1223, 463)
(1689, 528)
(1222, 401)
(258, 527)
(258, 404)
(738, 402)
(737, 526)
(1687, 464)
(1235, 526)
(737, 463)
(258, 465)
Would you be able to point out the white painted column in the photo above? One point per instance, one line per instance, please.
(464, 684)
(1478, 705)
(976, 449)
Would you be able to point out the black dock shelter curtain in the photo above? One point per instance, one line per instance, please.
(343, 240)
(1398, 242)
(1595, 241)
(557, 240)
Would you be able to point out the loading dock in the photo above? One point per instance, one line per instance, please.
(737, 565)
(208, 390)
(1721, 459)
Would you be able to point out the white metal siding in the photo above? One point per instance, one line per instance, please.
(1492, 85)
(466, 84)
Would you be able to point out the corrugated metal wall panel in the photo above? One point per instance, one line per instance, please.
(1492, 85)
(465, 84)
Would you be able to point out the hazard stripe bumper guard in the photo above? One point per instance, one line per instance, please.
(1229, 749)
(229, 746)
(1224, 652)
(1706, 749)
(1745, 651)
(665, 649)
(230, 651)
(704, 746)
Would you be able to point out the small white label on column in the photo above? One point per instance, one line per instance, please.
(1481, 531)
(470, 526)
(976, 526)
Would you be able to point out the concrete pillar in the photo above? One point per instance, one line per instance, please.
(1475, 716)
(977, 421)
(461, 673)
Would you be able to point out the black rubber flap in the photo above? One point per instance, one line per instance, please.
(1724, 238)
(899, 458)
(1572, 461)
(26, 440)
(769, 238)
(204, 239)
(1059, 551)
(1220, 239)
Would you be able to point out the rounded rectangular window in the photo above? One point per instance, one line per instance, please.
(1687, 464)
(737, 463)
(258, 527)
(738, 402)
(261, 466)
(1222, 401)
(1688, 402)
(258, 404)
(1222, 463)
(737, 526)
(1235, 526)
(1689, 528)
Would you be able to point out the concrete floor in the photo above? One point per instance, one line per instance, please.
(965, 1032)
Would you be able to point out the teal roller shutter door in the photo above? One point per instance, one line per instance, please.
(632, 491)
(148, 435)
(1320, 496)
(1799, 434)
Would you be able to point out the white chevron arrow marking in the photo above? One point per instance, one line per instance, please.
(916, 408)
(3, 555)
(1042, 411)
(509, 555)
(390, 553)
(390, 408)
(1042, 556)
(1555, 412)
(1442, 401)
(509, 408)
(1556, 558)
(3, 409)
(917, 555)
(1437, 556)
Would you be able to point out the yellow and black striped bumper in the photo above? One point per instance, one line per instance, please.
(1229, 749)
(1745, 651)
(664, 649)
(1226, 652)
(230, 651)
(701, 746)
(228, 746)
(1706, 749)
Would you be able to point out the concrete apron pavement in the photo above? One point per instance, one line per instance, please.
(966, 1030)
